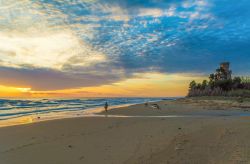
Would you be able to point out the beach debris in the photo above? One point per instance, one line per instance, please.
(70, 146)
(155, 106)
(179, 128)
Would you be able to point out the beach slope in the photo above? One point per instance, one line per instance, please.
(182, 131)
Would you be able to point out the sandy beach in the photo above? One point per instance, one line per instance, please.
(182, 131)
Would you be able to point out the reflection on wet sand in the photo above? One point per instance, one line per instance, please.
(17, 121)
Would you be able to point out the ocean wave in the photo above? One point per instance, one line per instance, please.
(17, 108)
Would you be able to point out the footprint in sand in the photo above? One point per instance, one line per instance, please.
(180, 141)
(81, 158)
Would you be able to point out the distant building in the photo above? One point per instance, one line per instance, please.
(223, 73)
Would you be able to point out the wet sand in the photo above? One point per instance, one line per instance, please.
(205, 133)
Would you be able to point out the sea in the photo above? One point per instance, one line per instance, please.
(56, 108)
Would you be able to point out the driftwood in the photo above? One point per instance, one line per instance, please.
(155, 106)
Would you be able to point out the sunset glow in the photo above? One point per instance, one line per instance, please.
(146, 85)
(89, 48)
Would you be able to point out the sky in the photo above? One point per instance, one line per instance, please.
(113, 48)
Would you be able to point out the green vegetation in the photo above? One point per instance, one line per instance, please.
(221, 84)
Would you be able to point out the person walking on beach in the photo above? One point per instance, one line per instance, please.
(106, 106)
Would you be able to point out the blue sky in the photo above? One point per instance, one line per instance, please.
(78, 43)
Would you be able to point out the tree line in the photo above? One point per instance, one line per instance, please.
(237, 86)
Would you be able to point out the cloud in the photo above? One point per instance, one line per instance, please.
(92, 42)
(50, 50)
(151, 12)
(45, 79)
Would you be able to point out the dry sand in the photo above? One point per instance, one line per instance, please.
(199, 138)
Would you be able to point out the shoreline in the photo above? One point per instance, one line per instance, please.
(90, 112)
(32, 119)
(99, 112)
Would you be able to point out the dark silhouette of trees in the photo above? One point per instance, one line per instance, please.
(204, 84)
(192, 84)
(220, 83)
